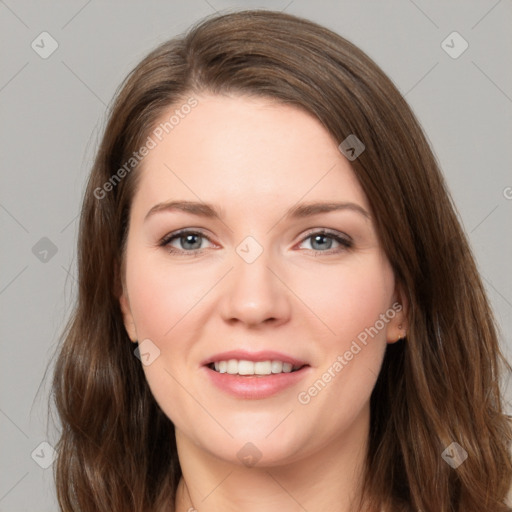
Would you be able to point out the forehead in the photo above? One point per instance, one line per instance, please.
(248, 152)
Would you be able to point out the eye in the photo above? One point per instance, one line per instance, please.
(190, 242)
(323, 240)
(184, 241)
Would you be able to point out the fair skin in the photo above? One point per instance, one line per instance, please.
(307, 297)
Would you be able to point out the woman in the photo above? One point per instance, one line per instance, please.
(278, 308)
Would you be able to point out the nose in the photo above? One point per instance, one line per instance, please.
(255, 294)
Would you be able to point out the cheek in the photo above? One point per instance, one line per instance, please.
(348, 299)
(163, 301)
(161, 296)
(353, 305)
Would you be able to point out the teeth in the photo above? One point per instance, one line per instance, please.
(263, 368)
(244, 367)
(232, 367)
(276, 366)
(287, 367)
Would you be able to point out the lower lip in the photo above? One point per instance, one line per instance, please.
(255, 387)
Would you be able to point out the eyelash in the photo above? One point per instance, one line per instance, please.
(165, 242)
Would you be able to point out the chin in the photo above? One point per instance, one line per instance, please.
(254, 446)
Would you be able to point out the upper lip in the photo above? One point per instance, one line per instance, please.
(263, 355)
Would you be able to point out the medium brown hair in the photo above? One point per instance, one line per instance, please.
(440, 385)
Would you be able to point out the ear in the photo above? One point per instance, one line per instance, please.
(398, 325)
(129, 323)
(124, 302)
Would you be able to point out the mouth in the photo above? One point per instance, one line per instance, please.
(244, 367)
(255, 380)
(249, 375)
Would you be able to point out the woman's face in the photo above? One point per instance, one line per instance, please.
(247, 271)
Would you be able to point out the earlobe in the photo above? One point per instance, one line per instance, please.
(397, 329)
(402, 333)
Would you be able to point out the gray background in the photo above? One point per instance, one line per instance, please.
(53, 111)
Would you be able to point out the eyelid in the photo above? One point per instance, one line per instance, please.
(181, 232)
(344, 240)
(327, 231)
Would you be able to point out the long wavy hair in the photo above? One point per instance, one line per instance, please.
(439, 385)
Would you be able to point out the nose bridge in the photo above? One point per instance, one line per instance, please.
(254, 294)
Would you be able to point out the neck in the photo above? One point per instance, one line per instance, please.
(328, 479)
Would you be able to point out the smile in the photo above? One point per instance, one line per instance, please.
(245, 367)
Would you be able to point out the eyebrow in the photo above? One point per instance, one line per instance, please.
(297, 211)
